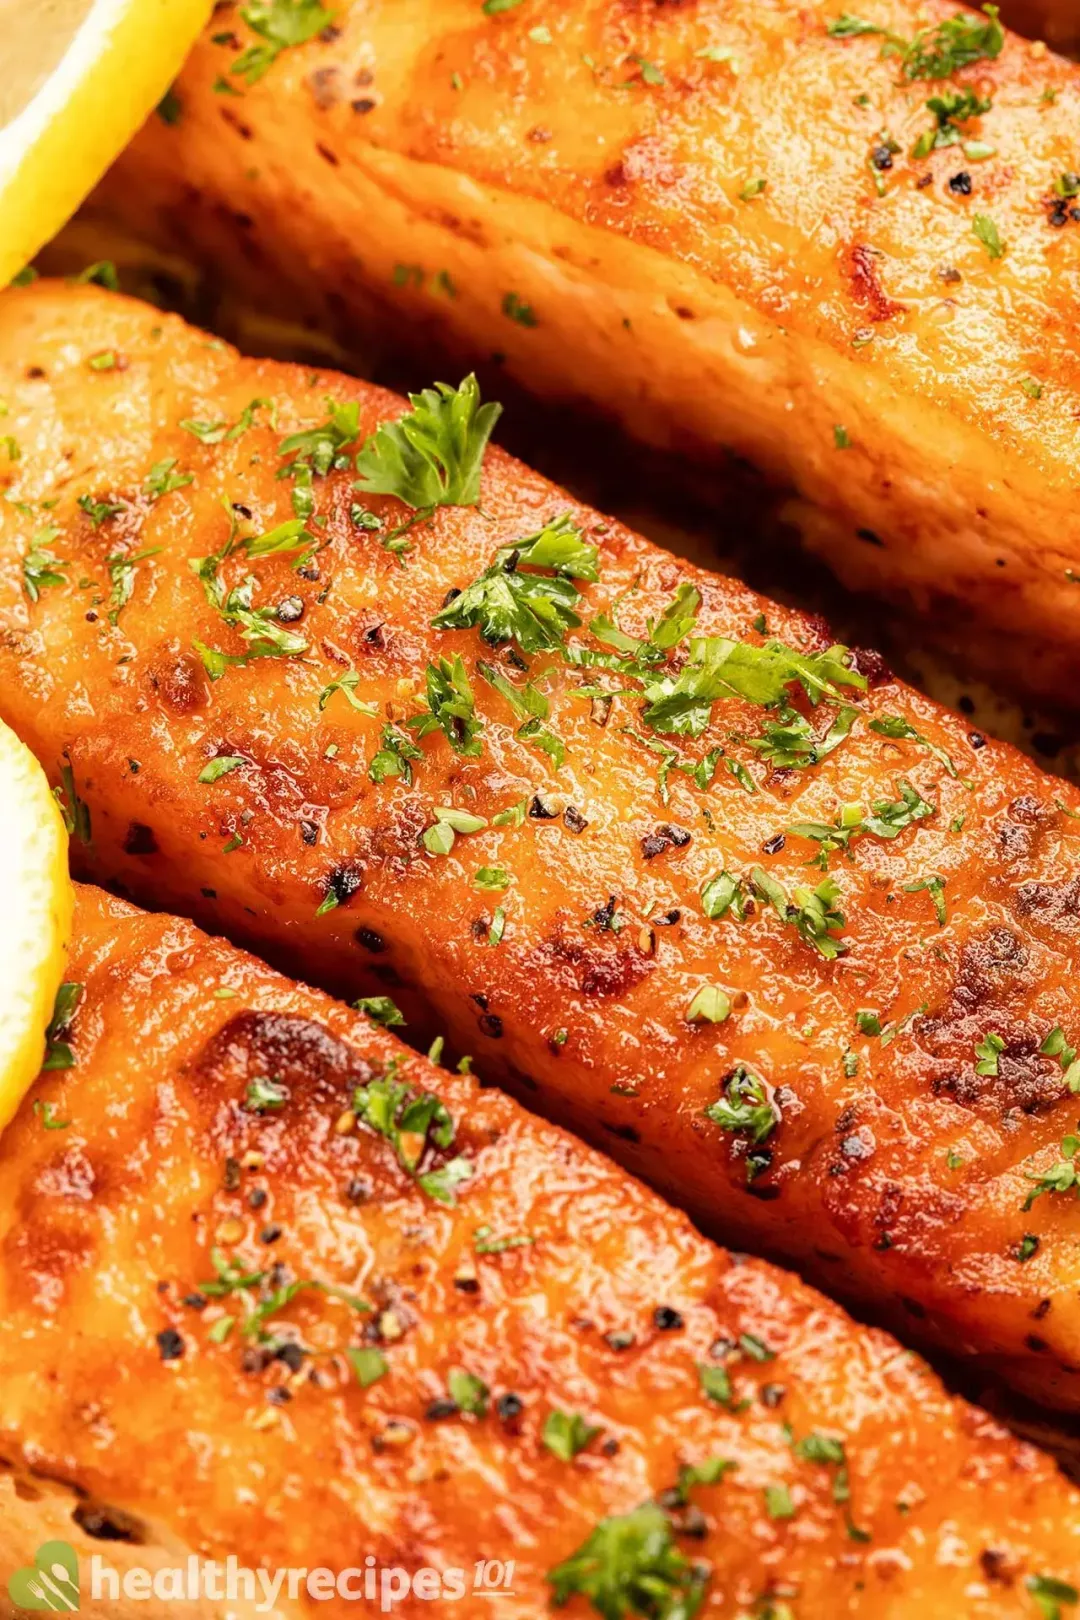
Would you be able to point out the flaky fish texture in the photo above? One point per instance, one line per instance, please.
(282, 1332)
(843, 243)
(795, 944)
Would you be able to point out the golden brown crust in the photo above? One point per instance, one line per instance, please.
(427, 168)
(901, 1166)
(115, 1381)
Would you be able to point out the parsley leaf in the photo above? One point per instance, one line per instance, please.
(812, 912)
(898, 729)
(630, 1564)
(566, 1433)
(281, 24)
(938, 53)
(414, 1123)
(451, 708)
(745, 1107)
(58, 1053)
(534, 610)
(394, 756)
(989, 235)
(431, 456)
(1061, 1177)
(719, 668)
(41, 568)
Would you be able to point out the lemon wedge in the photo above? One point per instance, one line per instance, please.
(35, 921)
(78, 78)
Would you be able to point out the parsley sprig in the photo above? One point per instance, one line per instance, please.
(431, 456)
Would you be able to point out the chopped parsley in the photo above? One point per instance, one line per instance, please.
(221, 766)
(532, 707)
(566, 1433)
(346, 684)
(122, 576)
(721, 894)
(41, 567)
(898, 729)
(790, 743)
(936, 52)
(280, 24)
(1055, 1045)
(535, 610)
(394, 756)
(630, 1564)
(1061, 1177)
(745, 1107)
(440, 836)
(381, 1010)
(162, 480)
(58, 1053)
(1050, 1593)
(887, 820)
(813, 913)
(951, 109)
(989, 235)
(451, 708)
(415, 1123)
(367, 1362)
(935, 887)
(717, 668)
(515, 309)
(988, 1050)
(75, 811)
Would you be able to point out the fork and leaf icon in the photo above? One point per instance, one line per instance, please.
(50, 1582)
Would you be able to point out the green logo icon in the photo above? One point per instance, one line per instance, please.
(50, 1582)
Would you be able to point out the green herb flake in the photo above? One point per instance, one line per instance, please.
(989, 235)
(566, 1433)
(631, 1564)
(381, 1010)
(58, 1053)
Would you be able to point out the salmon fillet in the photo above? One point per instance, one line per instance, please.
(720, 225)
(795, 944)
(201, 1157)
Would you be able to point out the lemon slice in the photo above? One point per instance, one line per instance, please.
(35, 920)
(77, 78)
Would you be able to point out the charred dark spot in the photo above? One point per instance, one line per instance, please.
(327, 155)
(364, 104)
(297, 1051)
(344, 881)
(773, 845)
(371, 941)
(139, 840)
(871, 666)
(539, 811)
(664, 837)
(960, 184)
(1039, 1346)
(625, 1133)
(492, 1025)
(309, 832)
(574, 820)
(997, 1566)
(290, 609)
(667, 919)
(170, 1344)
(481, 1000)
(1043, 1308)
(870, 538)
(108, 1524)
(667, 1319)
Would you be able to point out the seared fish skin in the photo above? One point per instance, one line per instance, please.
(137, 1182)
(672, 213)
(865, 1065)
